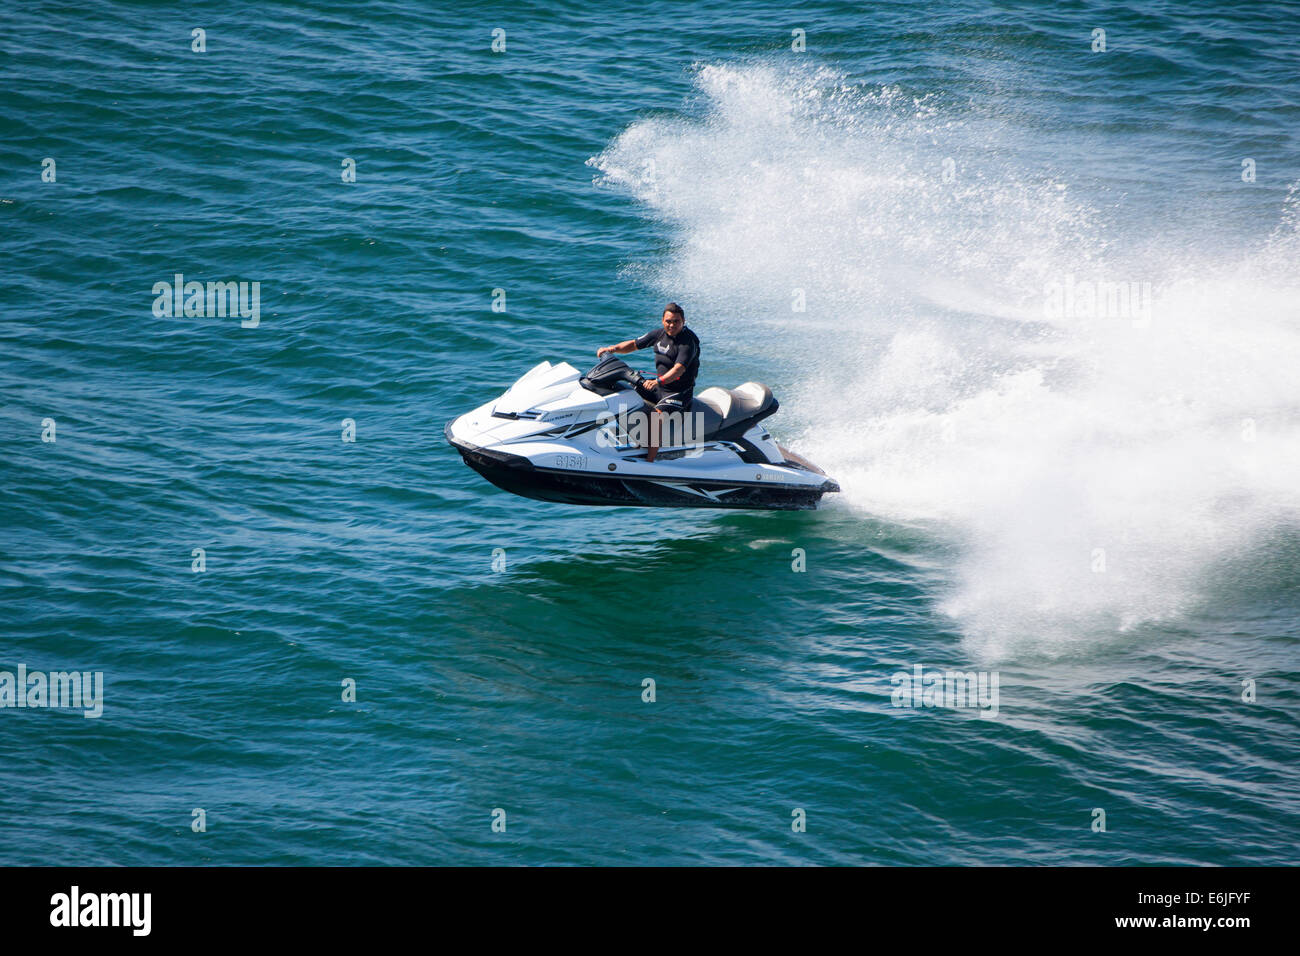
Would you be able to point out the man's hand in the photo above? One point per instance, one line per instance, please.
(650, 382)
(600, 352)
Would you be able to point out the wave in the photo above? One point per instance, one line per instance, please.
(1090, 413)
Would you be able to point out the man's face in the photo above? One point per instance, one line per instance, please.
(672, 323)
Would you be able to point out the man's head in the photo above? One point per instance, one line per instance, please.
(674, 318)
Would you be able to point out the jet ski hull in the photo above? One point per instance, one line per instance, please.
(519, 476)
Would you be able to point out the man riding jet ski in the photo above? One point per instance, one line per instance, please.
(677, 361)
(557, 435)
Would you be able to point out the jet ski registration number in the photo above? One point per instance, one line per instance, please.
(570, 461)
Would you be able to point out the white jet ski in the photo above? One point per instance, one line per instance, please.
(559, 436)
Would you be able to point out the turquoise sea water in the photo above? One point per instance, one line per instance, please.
(1102, 510)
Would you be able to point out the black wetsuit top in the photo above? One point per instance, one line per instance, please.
(683, 347)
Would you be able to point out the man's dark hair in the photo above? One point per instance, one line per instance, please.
(676, 310)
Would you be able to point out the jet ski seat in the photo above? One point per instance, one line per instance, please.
(730, 412)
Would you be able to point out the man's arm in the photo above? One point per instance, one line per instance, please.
(673, 374)
(621, 349)
(631, 345)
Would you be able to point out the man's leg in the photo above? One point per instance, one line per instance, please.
(670, 403)
(650, 396)
(653, 450)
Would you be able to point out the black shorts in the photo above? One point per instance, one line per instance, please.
(665, 400)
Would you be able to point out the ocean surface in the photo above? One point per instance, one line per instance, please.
(905, 219)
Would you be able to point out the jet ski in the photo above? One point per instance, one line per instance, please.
(557, 435)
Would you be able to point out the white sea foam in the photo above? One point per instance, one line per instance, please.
(1041, 447)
